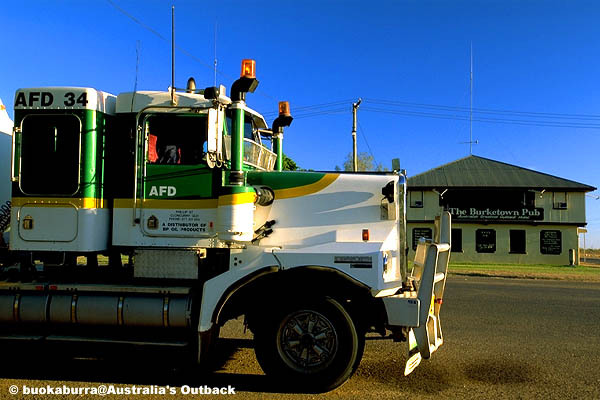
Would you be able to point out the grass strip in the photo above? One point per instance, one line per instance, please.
(536, 271)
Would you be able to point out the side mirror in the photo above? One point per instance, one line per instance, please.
(214, 136)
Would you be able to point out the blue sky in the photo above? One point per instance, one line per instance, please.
(529, 57)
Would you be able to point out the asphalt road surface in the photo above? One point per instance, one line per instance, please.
(504, 338)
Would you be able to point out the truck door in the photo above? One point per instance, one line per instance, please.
(177, 190)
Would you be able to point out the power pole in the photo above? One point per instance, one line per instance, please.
(354, 155)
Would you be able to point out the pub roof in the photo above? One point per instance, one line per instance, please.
(483, 173)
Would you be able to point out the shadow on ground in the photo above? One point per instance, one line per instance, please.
(131, 366)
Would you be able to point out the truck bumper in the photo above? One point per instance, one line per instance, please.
(419, 312)
(402, 310)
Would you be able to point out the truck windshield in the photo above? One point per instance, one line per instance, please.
(50, 156)
(176, 139)
(255, 153)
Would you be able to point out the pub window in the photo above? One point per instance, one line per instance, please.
(559, 200)
(485, 240)
(529, 199)
(418, 233)
(518, 240)
(551, 242)
(416, 199)
(456, 241)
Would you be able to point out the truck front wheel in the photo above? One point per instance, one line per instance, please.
(311, 345)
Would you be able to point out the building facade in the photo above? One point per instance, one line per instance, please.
(501, 213)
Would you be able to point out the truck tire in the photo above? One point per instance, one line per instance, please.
(309, 345)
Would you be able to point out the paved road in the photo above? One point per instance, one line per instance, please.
(505, 338)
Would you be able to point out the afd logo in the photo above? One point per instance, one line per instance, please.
(160, 191)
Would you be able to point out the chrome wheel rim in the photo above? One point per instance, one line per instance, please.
(307, 341)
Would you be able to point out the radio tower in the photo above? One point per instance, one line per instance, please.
(471, 107)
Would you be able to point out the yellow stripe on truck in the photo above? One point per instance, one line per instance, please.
(305, 190)
(167, 204)
(85, 202)
(237, 198)
(173, 204)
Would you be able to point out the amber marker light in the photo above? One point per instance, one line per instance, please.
(248, 69)
(284, 108)
(365, 235)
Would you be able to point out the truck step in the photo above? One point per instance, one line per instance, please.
(86, 339)
(22, 337)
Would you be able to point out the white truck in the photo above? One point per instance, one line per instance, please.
(187, 187)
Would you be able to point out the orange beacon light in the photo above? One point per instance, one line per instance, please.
(248, 69)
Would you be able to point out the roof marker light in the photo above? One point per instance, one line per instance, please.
(284, 109)
(248, 69)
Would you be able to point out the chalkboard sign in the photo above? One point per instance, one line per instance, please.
(550, 242)
(418, 233)
(485, 240)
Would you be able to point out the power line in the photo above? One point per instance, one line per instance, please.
(551, 124)
(360, 128)
(553, 120)
(317, 113)
(180, 49)
(541, 123)
(532, 114)
(157, 34)
(314, 107)
(137, 21)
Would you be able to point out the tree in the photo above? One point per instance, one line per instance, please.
(289, 164)
(364, 163)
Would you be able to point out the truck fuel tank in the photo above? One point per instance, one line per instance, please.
(96, 305)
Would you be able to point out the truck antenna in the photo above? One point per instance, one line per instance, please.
(173, 55)
(215, 64)
(138, 49)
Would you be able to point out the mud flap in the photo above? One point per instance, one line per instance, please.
(414, 356)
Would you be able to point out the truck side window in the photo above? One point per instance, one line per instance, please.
(249, 129)
(176, 139)
(50, 154)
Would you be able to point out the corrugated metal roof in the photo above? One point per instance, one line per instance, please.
(479, 172)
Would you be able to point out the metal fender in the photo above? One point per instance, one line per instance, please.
(245, 266)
